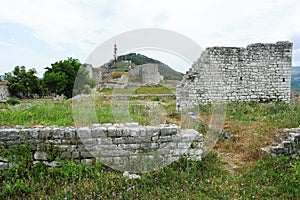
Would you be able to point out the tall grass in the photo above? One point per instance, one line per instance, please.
(44, 112)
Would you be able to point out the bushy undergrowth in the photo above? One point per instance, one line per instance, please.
(184, 179)
(13, 101)
(279, 113)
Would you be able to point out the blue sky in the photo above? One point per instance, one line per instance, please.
(37, 33)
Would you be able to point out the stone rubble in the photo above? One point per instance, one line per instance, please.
(289, 147)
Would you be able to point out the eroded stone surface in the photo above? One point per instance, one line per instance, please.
(259, 72)
(114, 144)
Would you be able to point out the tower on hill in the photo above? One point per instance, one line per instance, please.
(115, 53)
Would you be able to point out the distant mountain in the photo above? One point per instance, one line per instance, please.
(139, 59)
(296, 78)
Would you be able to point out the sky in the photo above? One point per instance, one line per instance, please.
(36, 33)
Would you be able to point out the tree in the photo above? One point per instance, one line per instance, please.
(60, 78)
(22, 83)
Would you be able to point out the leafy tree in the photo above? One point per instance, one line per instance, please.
(60, 78)
(22, 83)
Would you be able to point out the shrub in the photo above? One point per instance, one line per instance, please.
(155, 98)
(116, 75)
(13, 101)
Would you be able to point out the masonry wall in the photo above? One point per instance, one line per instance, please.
(4, 94)
(115, 145)
(259, 72)
(146, 74)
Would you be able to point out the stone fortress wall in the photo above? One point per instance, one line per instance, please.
(114, 145)
(259, 72)
(146, 74)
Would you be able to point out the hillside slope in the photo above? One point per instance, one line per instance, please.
(296, 79)
(139, 59)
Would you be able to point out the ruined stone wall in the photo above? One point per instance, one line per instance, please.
(115, 145)
(95, 73)
(146, 74)
(259, 72)
(290, 146)
(4, 94)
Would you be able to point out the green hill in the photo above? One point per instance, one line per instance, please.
(139, 59)
(296, 79)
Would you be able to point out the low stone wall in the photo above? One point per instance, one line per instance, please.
(290, 146)
(121, 146)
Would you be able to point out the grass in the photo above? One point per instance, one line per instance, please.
(134, 90)
(184, 179)
(41, 112)
(238, 169)
(53, 112)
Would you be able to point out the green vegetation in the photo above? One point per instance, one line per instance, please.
(169, 73)
(54, 112)
(22, 83)
(159, 89)
(58, 80)
(38, 112)
(250, 126)
(13, 101)
(138, 59)
(184, 179)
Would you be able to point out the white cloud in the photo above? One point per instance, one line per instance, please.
(6, 44)
(86, 24)
(55, 22)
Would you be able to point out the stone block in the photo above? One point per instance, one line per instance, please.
(169, 130)
(112, 131)
(152, 130)
(105, 141)
(99, 132)
(84, 132)
(3, 165)
(40, 155)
